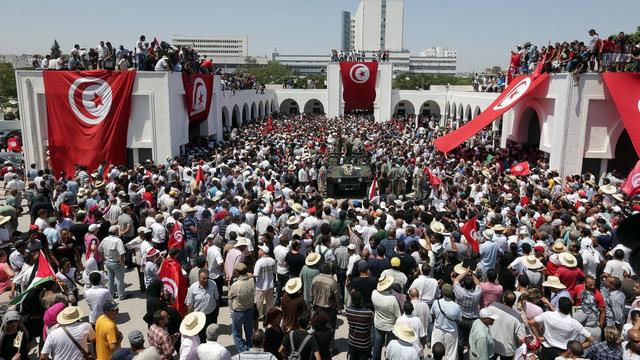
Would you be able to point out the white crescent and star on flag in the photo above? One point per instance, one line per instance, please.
(359, 73)
(198, 96)
(514, 94)
(635, 180)
(474, 234)
(90, 99)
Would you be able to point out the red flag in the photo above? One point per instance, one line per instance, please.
(520, 169)
(373, 190)
(174, 283)
(87, 117)
(433, 179)
(198, 90)
(470, 232)
(14, 144)
(44, 267)
(631, 185)
(176, 236)
(520, 88)
(624, 89)
(359, 82)
(199, 176)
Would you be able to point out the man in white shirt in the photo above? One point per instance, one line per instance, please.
(159, 232)
(214, 262)
(618, 267)
(59, 345)
(264, 272)
(113, 250)
(414, 322)
(96, 296)
(426, 286)
(212, 350)
(163, 64)
(559, 328)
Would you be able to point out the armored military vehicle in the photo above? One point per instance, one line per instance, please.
(348, 175)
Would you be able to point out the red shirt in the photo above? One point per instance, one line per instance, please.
(66, 210)
(577, 296)
(569, 276)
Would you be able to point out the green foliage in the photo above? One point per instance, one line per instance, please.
(635, 36)
(9, 116)
(7, 82)
(277, 73)
(55, 49)
(409, 81)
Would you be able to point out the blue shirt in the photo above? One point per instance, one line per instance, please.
(188, 222)
(489, 252)
(446, 314)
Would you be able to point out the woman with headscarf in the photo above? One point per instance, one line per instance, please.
(12, 327)
(50, 318)
(91, 266)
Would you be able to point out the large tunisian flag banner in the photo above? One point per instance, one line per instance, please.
(198, 89)
(359, 82)
(174, 282)
(88, 117)
(625, 91)
(520, 88)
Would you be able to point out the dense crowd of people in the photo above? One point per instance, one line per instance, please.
(598, 54)
(488, 82)
(154, 56)
(250, 225)
(352, 55)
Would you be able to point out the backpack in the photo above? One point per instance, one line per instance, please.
(296, 353)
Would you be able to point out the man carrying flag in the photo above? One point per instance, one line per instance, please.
(33, 276)
(174, 281)
(469, 230)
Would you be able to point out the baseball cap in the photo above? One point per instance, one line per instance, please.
(351, 247)
(109, 306)
(264, 248)
(241, 267)
(488, 313)
(395, 261)
(136, 338)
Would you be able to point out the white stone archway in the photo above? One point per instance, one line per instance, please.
(314, 106)
(289, 106)
(404, 108)
(430, 108)
(254, 112)
(236, 117)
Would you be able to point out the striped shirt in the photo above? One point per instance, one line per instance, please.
(360, 323)
(254, 354)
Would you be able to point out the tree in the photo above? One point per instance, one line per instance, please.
(55, 50)
(250, 61)
(7, 82)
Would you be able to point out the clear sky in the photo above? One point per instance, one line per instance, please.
(482, 31)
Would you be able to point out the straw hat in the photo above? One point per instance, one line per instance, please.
(297, 208)
(404, 333)
(293, 220)
(242, 241)
(558, 247)
(488, 234)
(69, 315)
(4, 219)
(608, 189)
(328, 201)
(460, 269)
(384, 283)
(553, 282)
(619, 197)
(423, 243)
(437, 227)
(192, 323)
(498, 228)
(312, 259)
(532, 262)
(486, 173)
(293, 285)
(568, 260)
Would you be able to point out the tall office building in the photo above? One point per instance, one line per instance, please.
(345, 27)
(377, 25)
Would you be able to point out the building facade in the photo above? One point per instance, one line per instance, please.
(226, 52)
(377, 25)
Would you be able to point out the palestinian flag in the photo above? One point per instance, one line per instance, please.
(41, 273)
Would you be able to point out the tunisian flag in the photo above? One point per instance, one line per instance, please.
(174, 283)
(631, 185)
(198, 90)
(359, 82)
(624, 88)
(87, 117)
(176, 237)
(373, 190)
(14, 144)
(520, 88)
(433, 179)
(520, 169)
(470, 232)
